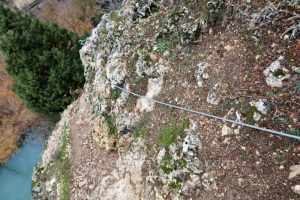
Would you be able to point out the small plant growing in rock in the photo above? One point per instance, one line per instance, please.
(279, 72)
(142, 132)
(293, 131)
(170, 133)
(115, 17)
(260, 47)
(250, 114)
(165, 162)
(111, 125)
(136, 79)
(163, 45)
(175, 185)
(115, 93)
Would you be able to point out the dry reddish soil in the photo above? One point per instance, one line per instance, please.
(252, 164)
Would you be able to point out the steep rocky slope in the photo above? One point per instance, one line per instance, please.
(213, 56)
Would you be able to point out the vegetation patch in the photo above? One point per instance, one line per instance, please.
(169, 134)
(111, 125)
(293, 131)
(64, 165)
(165, 163)
(61, 167)
(260, 47)
(279, 72)
(176, 185)
(115, 93)
(163, 45)
(142, 132)
(116, 18)
(136, 79)
(249, 113)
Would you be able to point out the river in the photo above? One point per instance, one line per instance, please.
(15, 174)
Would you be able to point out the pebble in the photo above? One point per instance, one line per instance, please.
(82, 183)
(281, 167)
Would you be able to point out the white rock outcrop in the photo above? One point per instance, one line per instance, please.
(276, 73)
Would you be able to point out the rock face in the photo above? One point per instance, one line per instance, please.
(105, 56)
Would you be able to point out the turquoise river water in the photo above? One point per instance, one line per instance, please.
(15, 174)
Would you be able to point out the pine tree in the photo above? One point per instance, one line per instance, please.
(43, 60)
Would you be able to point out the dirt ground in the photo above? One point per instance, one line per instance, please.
(89, 161)
(251, 164)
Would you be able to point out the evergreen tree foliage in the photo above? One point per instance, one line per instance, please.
(43, 60)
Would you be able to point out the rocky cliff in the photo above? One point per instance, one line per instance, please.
(206, 55)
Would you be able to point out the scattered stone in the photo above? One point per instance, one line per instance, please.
(154, 57)
(180, 167)
(240, 181)
(153, 89)
(200, 74)
(212, 98)
(296, 69)
(256, 116)
(296, 189)
(189, 32)
(226, 130)
(276, 73)
(281, 167)
(295, 171)
(228, 47)
(260, 105)
(208, 181)
(190, 144)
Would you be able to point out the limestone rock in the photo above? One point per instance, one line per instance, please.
(276, 73)
(296, 189)
(213, 97)
(189, 32)
(295, 171)
(200, 74)
(226, 130)
(261, 107)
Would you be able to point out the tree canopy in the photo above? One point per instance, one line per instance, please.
(43, 60)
